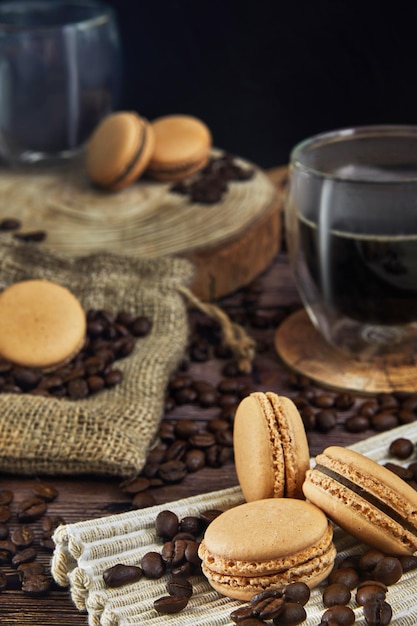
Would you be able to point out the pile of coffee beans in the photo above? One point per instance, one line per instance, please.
(283, 606)
(178, 558)
(109, 338)
(210, 184)
(22, 547)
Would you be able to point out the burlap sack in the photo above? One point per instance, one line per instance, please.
(108, 433)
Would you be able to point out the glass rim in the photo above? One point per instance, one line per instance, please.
(104, 13)
(341, 135)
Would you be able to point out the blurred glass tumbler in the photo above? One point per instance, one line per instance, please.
(351, 220)
(59, 76)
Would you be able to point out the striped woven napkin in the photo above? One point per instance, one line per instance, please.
(85, 549)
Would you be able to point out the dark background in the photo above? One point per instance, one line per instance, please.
(265, 74)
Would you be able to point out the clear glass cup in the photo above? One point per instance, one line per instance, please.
(59, 76)
(351, 222)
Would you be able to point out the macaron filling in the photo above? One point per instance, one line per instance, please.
(371, 498)
(132, 163)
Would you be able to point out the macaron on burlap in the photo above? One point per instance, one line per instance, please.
(109, 432)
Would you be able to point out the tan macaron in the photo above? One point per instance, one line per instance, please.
(119, 150)
(270, 447)
(42, 324)
(182, 147)
(366, 499)
(267, 543)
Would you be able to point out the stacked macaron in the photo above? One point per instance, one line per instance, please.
(282, 533)
(125, 145)
(267, 543)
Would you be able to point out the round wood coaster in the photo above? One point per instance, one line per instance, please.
(229, 242)
(304, 350)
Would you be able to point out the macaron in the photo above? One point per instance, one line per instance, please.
(267, 543)
(270, 447)
(182, 147)
(364, 498)
(119, 150)
(42, 324)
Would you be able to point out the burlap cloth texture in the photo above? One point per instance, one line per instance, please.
(110, 432)
(85, 549)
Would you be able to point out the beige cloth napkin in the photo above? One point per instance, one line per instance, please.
(84, 550)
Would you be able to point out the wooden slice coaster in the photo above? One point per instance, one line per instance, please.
(229, 242)
(303, 349)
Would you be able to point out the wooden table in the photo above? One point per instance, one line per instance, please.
(81, 499)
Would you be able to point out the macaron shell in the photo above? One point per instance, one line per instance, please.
(288, 526)
(364, 519)
(182, 147)
(243, 588)
(42, 324)
(259, 458)
(119, 150)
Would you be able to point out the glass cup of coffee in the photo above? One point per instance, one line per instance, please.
(59, 76)
(351, 223)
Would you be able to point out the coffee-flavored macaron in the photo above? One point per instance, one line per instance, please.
(182, 147)
(267, 543)
(364, 498)
(42, 324)
(119, 150)
(270, 447)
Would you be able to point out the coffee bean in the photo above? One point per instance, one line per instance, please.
(45, 491)
(341, 614)
(186, 428)
(10, 223)
(3, 581)
(209, 515)
(357, 424)
(172, 471)
(202, 440)
(384, 420)
(140, 326)
(344, 401)
(179, 587)
(36, 585)
(368, 592)
(408, 562)
(23, 536)
(31, 509)
(31, 568)
(368, 408)
(401, 448)
(388, 570)
(78, 389)
(297, 592)
(135, 485)
(338, 593)
(153, 565)
(24, 556)
(402, 472)
(120, 574)
(377, 612)
(323, 401)
(368, 559)
(142, 500)
(242, 613)
(6, 496)
(166, 524)
(170, 604)
(325, 420)
(345, 575)
(4, 530)
(195, 460)
(292, 614)
(5, 513)
(191, 524)
(31, 236)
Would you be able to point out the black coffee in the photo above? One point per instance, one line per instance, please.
(369, 278)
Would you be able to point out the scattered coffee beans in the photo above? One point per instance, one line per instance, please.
(109, 338)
